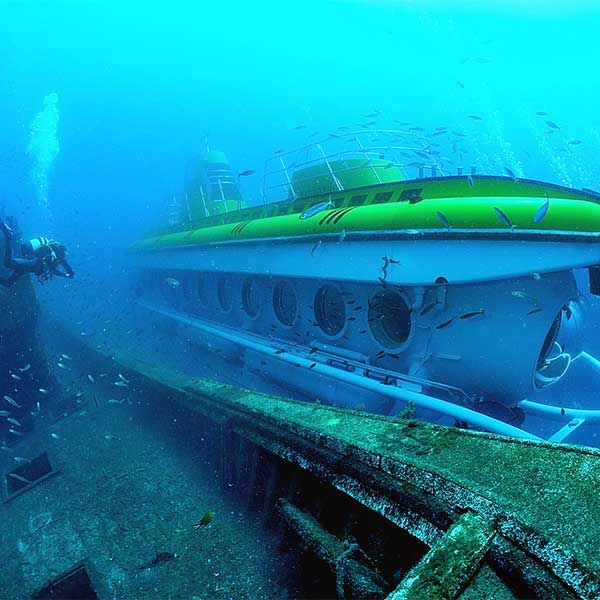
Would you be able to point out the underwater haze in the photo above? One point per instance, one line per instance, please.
(105, 106)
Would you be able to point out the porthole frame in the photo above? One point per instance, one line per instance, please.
(274, 303)
(342, 331)
(222, 281)
(404, 344)
(247, 283)
(200, 288)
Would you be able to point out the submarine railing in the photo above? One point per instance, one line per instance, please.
(370, 145)
(455, 411)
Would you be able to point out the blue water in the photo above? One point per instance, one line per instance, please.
(142, 89)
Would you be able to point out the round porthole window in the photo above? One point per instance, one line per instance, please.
(284, 303)
(201, 288)
(250, 297)
(330, 310)
(389, 319)
(225, 293)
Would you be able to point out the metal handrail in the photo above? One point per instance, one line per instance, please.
(366, 146)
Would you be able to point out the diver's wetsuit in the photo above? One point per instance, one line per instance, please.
(46, 261)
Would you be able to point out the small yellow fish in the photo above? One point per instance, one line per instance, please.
(55, 436)
(43, 391)
(205, 520)
(91, 378)
(25, 368)
(15, 377)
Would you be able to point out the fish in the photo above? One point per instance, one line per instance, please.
(316, 209)
(172, 282)
(461, 84)
(300, 126)
(20, 459)
(475, 117)
(380, 354)
(342, 236)
(14, 421)
(108, 436)
(25, 368)
(122, 378)
(315, 247)
(120, 384)
(427, 308)
(541, 113)
(575, 142)
(373, 114)
(533, 311)
(91, 378)
(246, 173)
(20, 478)
(56, 436)
(11, 401)
(38, 407)
(205, 520)
(474, 313)
(161, 557)
(389, 165)
(502, 216)
(552, 124)
(4, 413)
(523, 296)
(67, 357)
(113, 401)
(470, 181)
(445, 323)
(442, 132)
(43, 391)
(15, 432)
(312, 365)
(541, 212)
(5, 448)
(62, 366)
(15, 377)
(511, 174)
(536, 276)
(442, 217)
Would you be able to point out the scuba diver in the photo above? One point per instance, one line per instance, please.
(41, 256)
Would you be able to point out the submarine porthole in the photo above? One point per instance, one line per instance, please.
(285, 304)
(389, 319)
(330, 310)
(250, 297)
(549, 340)
(225, 293)
(170, 289)
(201, 289)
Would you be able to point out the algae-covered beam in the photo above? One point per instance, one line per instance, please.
(354, 578)
(446, 570)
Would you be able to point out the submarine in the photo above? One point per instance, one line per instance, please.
(454, 296)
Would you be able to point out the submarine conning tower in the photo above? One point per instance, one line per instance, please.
(212, 189)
